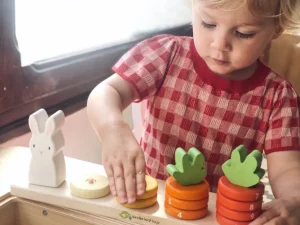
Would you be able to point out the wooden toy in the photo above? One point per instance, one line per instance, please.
(240, 191)
(185, 214)
(190, 192)
(47, 165)
(149, 198)
(189, 167)
(240, 216)
(90, 186)
(141, 203)
(37, 204)
(224, 221)
(244, 170)
(239, 205)
(187, 190)
(186, 205)
(151, 188)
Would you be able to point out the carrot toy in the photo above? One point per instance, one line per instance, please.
(187, 189)
(240, 191)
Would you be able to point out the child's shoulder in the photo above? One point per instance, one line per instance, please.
(280, 85)
(168, 41)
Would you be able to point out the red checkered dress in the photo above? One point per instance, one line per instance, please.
(189, 106)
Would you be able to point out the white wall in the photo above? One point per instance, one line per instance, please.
(81, 140)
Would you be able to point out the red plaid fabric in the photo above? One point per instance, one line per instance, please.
(189, 106)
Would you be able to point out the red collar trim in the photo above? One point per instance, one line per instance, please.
(231, 86)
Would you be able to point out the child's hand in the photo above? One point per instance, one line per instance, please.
(280, 212)
(124, 162)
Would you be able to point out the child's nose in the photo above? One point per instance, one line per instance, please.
(221, 42)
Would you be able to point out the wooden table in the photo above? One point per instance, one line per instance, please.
(37, 204)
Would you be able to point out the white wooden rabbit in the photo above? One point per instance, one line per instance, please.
(47, 166)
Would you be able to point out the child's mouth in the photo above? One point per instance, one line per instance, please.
(220, 62)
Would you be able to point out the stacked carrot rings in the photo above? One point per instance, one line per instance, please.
(186, 202)
(236, 204)
(149, 198)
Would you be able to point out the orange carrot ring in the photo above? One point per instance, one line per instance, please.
(225, 221)
(237, 205)
(190, 192)
(151, 188)
(236, 215)
(186, 205)
(141, 203)
(185, 214)
(239, 193)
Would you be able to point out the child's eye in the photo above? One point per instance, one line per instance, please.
(245, 36)
(206, 25)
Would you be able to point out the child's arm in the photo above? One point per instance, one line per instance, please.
(284, 173)
(123, 158)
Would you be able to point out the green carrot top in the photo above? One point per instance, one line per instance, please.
(188, 169)
(242, 169)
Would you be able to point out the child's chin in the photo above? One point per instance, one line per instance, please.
(220, 71)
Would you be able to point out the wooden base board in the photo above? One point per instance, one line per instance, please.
(106, 207)
(18, 211)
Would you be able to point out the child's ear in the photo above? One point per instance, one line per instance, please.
(278, 31)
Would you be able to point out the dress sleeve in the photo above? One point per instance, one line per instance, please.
(145, 65)
(284, 124)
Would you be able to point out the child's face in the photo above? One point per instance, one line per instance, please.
(230, 41)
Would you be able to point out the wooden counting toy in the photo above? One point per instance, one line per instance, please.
(90, 186)
(47, 165)
(149, 198)
(84, 199)
(187, 190)
(240, 192)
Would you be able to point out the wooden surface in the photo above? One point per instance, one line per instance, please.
(16, 211)
(106, 206)
(10, 159)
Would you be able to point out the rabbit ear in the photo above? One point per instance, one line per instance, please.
(55, 122)
(37, 121)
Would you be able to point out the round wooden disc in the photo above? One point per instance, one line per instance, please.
(237, 215)
(239, 193)
(185, 214)
(151, 188)
(90, 186)
(186, 205)
(225, 221)
(191, 192)
(141, 203)
(237, 205)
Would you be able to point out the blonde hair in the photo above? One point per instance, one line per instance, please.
(286, 12)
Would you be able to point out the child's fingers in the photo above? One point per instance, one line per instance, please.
(110, 175)
(120, 183)
(130, 181)
(278, 221)
(266, 216)
(140, 167)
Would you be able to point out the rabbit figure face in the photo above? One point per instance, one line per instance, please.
(42, 146)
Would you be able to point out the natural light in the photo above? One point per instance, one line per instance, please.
(50, 28)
